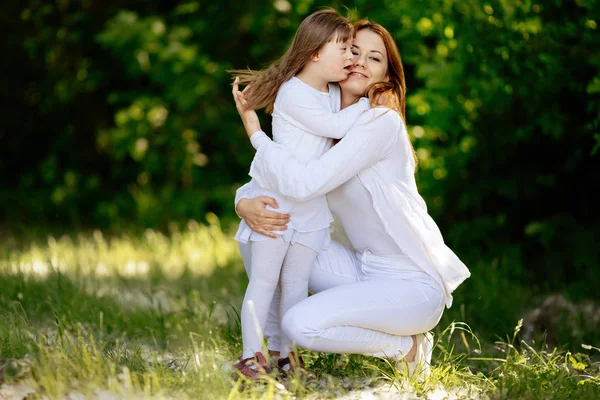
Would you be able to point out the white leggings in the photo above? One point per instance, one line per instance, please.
(276, 265)
(363, 304)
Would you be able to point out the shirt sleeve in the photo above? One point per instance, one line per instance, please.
(249, 190)
(274, 168)
(299, 106)
(259, 138)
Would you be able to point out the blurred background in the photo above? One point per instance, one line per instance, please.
(117, 115)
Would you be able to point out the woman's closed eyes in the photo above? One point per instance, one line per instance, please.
(370, 58)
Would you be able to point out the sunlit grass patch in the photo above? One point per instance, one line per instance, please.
(157, 316)
(199, 250)
(78, 363)
(83, 308)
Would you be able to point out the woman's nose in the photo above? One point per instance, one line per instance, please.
(359, 62)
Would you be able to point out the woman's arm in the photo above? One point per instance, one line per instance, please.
(275, 169)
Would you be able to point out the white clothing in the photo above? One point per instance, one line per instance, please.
(363, 304)
(263, 281)
(304, 122)
(356, 316)
(367, 233)
(268, 259)
(353, 198)
(378, 152)
(272, 329)
(293, 283)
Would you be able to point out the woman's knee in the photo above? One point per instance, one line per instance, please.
(436, 316)
(291, 325)
(297, 327)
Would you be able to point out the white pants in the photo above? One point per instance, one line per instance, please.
(275, 264)
(363, 304)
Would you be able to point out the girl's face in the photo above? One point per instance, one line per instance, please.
(334, 60)
(370, 63)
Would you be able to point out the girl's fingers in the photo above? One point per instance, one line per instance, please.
(240, 97)
(235, 92)
(238, 105)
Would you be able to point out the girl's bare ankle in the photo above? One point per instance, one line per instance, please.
(410, 356)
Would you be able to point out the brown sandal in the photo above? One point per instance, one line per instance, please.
(291, 364)
(252, 367)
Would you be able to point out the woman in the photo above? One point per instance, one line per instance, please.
(382, 298)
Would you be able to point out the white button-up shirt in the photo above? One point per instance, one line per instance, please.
(377, 150)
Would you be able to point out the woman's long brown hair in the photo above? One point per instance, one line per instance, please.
(394, 90)
(314, 32)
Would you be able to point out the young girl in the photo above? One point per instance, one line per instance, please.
(306, 118)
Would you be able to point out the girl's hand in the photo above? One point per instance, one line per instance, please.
(259, 219)
(249, 117)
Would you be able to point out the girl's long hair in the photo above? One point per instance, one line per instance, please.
(314, 32)
(394, 90)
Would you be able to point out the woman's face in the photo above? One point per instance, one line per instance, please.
(370, 63)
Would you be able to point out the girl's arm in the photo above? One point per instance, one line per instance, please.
(275, 169)
(298, 105)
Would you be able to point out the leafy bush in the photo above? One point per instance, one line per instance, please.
(120, 113)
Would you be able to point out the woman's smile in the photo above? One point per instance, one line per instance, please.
(357, 74)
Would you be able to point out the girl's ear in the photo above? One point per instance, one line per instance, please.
(387, 78)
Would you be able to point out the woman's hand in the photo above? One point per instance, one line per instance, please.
(259, 219)
(249, 117)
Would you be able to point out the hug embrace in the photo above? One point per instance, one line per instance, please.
(340, 148)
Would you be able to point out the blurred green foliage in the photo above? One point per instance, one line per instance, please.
(120, 112)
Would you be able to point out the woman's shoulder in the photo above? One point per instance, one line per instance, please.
(380, 125)
(383, 117)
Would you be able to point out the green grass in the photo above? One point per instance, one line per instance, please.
(156, 316)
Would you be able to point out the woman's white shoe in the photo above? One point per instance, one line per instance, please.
(421, 366)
